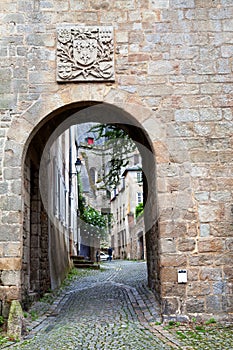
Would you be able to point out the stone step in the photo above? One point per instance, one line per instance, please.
(77, 257)
(81, 263)
(86, 265)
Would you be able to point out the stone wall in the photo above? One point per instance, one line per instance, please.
(136, 246)
(173, 75)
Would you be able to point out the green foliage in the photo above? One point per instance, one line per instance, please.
(93, 217)
(1, 320)
(34, 315)
(181, 335)
(3, 339)
(120, 146)
(210, 321)
(139, 209)
(200, 328)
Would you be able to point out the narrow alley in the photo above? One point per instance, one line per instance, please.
(110, 308)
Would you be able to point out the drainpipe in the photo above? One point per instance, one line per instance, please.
(70, 191)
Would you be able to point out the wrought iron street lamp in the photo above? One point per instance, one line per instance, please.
(78, 165)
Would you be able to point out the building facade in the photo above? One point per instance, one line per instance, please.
(128, 233)
(94, 157)
(161, 70)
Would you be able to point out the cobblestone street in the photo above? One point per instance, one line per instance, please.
(109, 308)
(112, 308)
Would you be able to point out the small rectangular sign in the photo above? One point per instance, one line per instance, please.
(182, 276)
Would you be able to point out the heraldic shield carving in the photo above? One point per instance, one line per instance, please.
(85, 53)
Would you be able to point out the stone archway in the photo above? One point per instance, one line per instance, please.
(35, 272)
(149, 129)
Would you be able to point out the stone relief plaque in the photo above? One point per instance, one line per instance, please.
(85, 53)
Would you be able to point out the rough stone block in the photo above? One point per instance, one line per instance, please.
(227, 304)
(210, 274)
(210, 245)
(193, 274)
(9, 233)
(227, 51)
(219, 288)
(5, 86)
(1, 249)
(10, 278)
(122, 37)
(197, 289)
(7, 101)
(171, 229)
(204, 230)
(201, 260)
(3, 188)
(167, 245)
(221, 196)
(208, 213)
(173, 260)
(170, 306)
(160, 68)
(11, 173)
(156, 4)
(12, 154)
(11, 249)
(186, 115)
(82, 5)
(228, 272)
(186, 245)
(195, 305)
(214, 304)
(171, 289)
(227, 25)
(9, 293)
(182, 4)
(11, 203)
(168, 274)
(229, 244)
(10, 263)
(202, 156)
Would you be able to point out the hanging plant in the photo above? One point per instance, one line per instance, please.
(120, 146)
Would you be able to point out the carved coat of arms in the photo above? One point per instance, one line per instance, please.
(85, 54)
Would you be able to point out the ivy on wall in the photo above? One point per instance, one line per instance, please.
(96, 222)
(139, 210)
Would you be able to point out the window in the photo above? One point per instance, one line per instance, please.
(123, 212)
(93, 175)
(139, 176)
(139, 197)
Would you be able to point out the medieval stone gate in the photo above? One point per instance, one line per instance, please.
(164, 68)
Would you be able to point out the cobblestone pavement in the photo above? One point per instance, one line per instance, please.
(109, 308)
